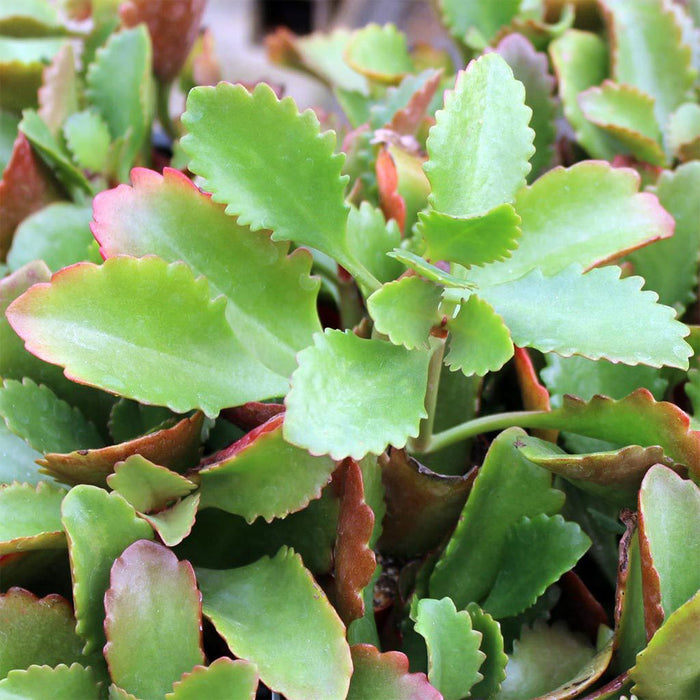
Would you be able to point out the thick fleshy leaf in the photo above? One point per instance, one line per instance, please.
(531, 68)
(404, 113)
(78, 321)
(46, 683)
(493, 669)
(26, 187)
(324, 404)
(262, 475)
(422, 506)
(477, 20)
(670, 266)
(58, 95)
(34, 413)
(533, 669)
(580, 61)
(305, 657)
(175, 447)
(30, 518)
(481, 143)
(537, 551)
(507, 488)
(479, 340)
(224, 679)
(429, 271)
(30, 18)
(88, 139)
(119, 85)
(627, 114)
(668, 667)
(354, 559)
(271, 298)
(534, 395)
(17, 459)
(392, 203)
(304, 202)
(454, 658)
(380, 53)
(478, 240)
(153, 620)
(175, 523)
(683, 131)
(386, 676)
(36, 631)
(597, 315)
(99, 527)
(117, 693)
(587, 214)
(649, 52)
(58, 234)
(406, 310)
(147, 486)
(669, 531)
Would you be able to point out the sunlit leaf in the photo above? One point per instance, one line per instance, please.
(46, 683)
(380, 53)
(429, 271)
(29, 18)
(222, 680)
(481, 16)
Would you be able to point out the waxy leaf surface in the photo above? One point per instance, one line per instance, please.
(36, 631)
(80, 321)
(271, 298)
(454, 658)
(507, 488)
(222, 680)
(175, 523)
(46, 683)
(380, 53)
(17, 459)
(305, 657)
(99, 527)
(493, 668)
(263, 475)
(342, 377)
(386, 676)
(481, 143)
(88, 139)
(463, 18)
(153, 620)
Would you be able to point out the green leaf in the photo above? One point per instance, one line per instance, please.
(99, 527)
(479, 340)
(536, 553)
(8, 132)
(670, 266)
(147, 486)
(81, 321)
(669, 530)
(406, 310)
(30, 18)
(430, 272)
(46, 683)
(153, 620)
(454, 658)
(30, 518)
(668, 667)
(531, 68)
(36, 414)
(262, 475)
(88, 139)
(224, 679)
(386, 676)
(129, 419)
(580, 61)
(483, 16)
(343, 377)
(587, 214)
(683, 131)
(58, 234)
(17, 459)
(120, 86)
(649, 52)
(304, 201)
(175, 523)
(493, 669)
(36, 631)
(271, 297)
(481, 143)
(543, 659)
(380, 53)
(470, 241)
(627, 114)
(305, 657)
(507, 488)
(597, 315)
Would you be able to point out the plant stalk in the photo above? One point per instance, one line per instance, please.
(163, 109)
(425, 435)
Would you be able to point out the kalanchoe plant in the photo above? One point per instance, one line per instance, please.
(265, 409)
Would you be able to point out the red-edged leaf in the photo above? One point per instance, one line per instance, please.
(354, 560)
(26, 186)
(173, 28)
(58, 97)
(154, 620)
(253, 414)
(386, 676)
(534, 394)
(408, 119)
(176, 448)
(392, 203)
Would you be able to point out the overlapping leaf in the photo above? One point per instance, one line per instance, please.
(175, 523)
(477, 21)
(65, 683)
(493, 667)
(17, 459)
(222, 680)
(88, 139)
(380, 53)
(58, 95)
(683, 131)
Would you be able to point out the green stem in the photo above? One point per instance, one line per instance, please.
(163, 107)
(425, 435)
(486, 424)
(351, 310)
